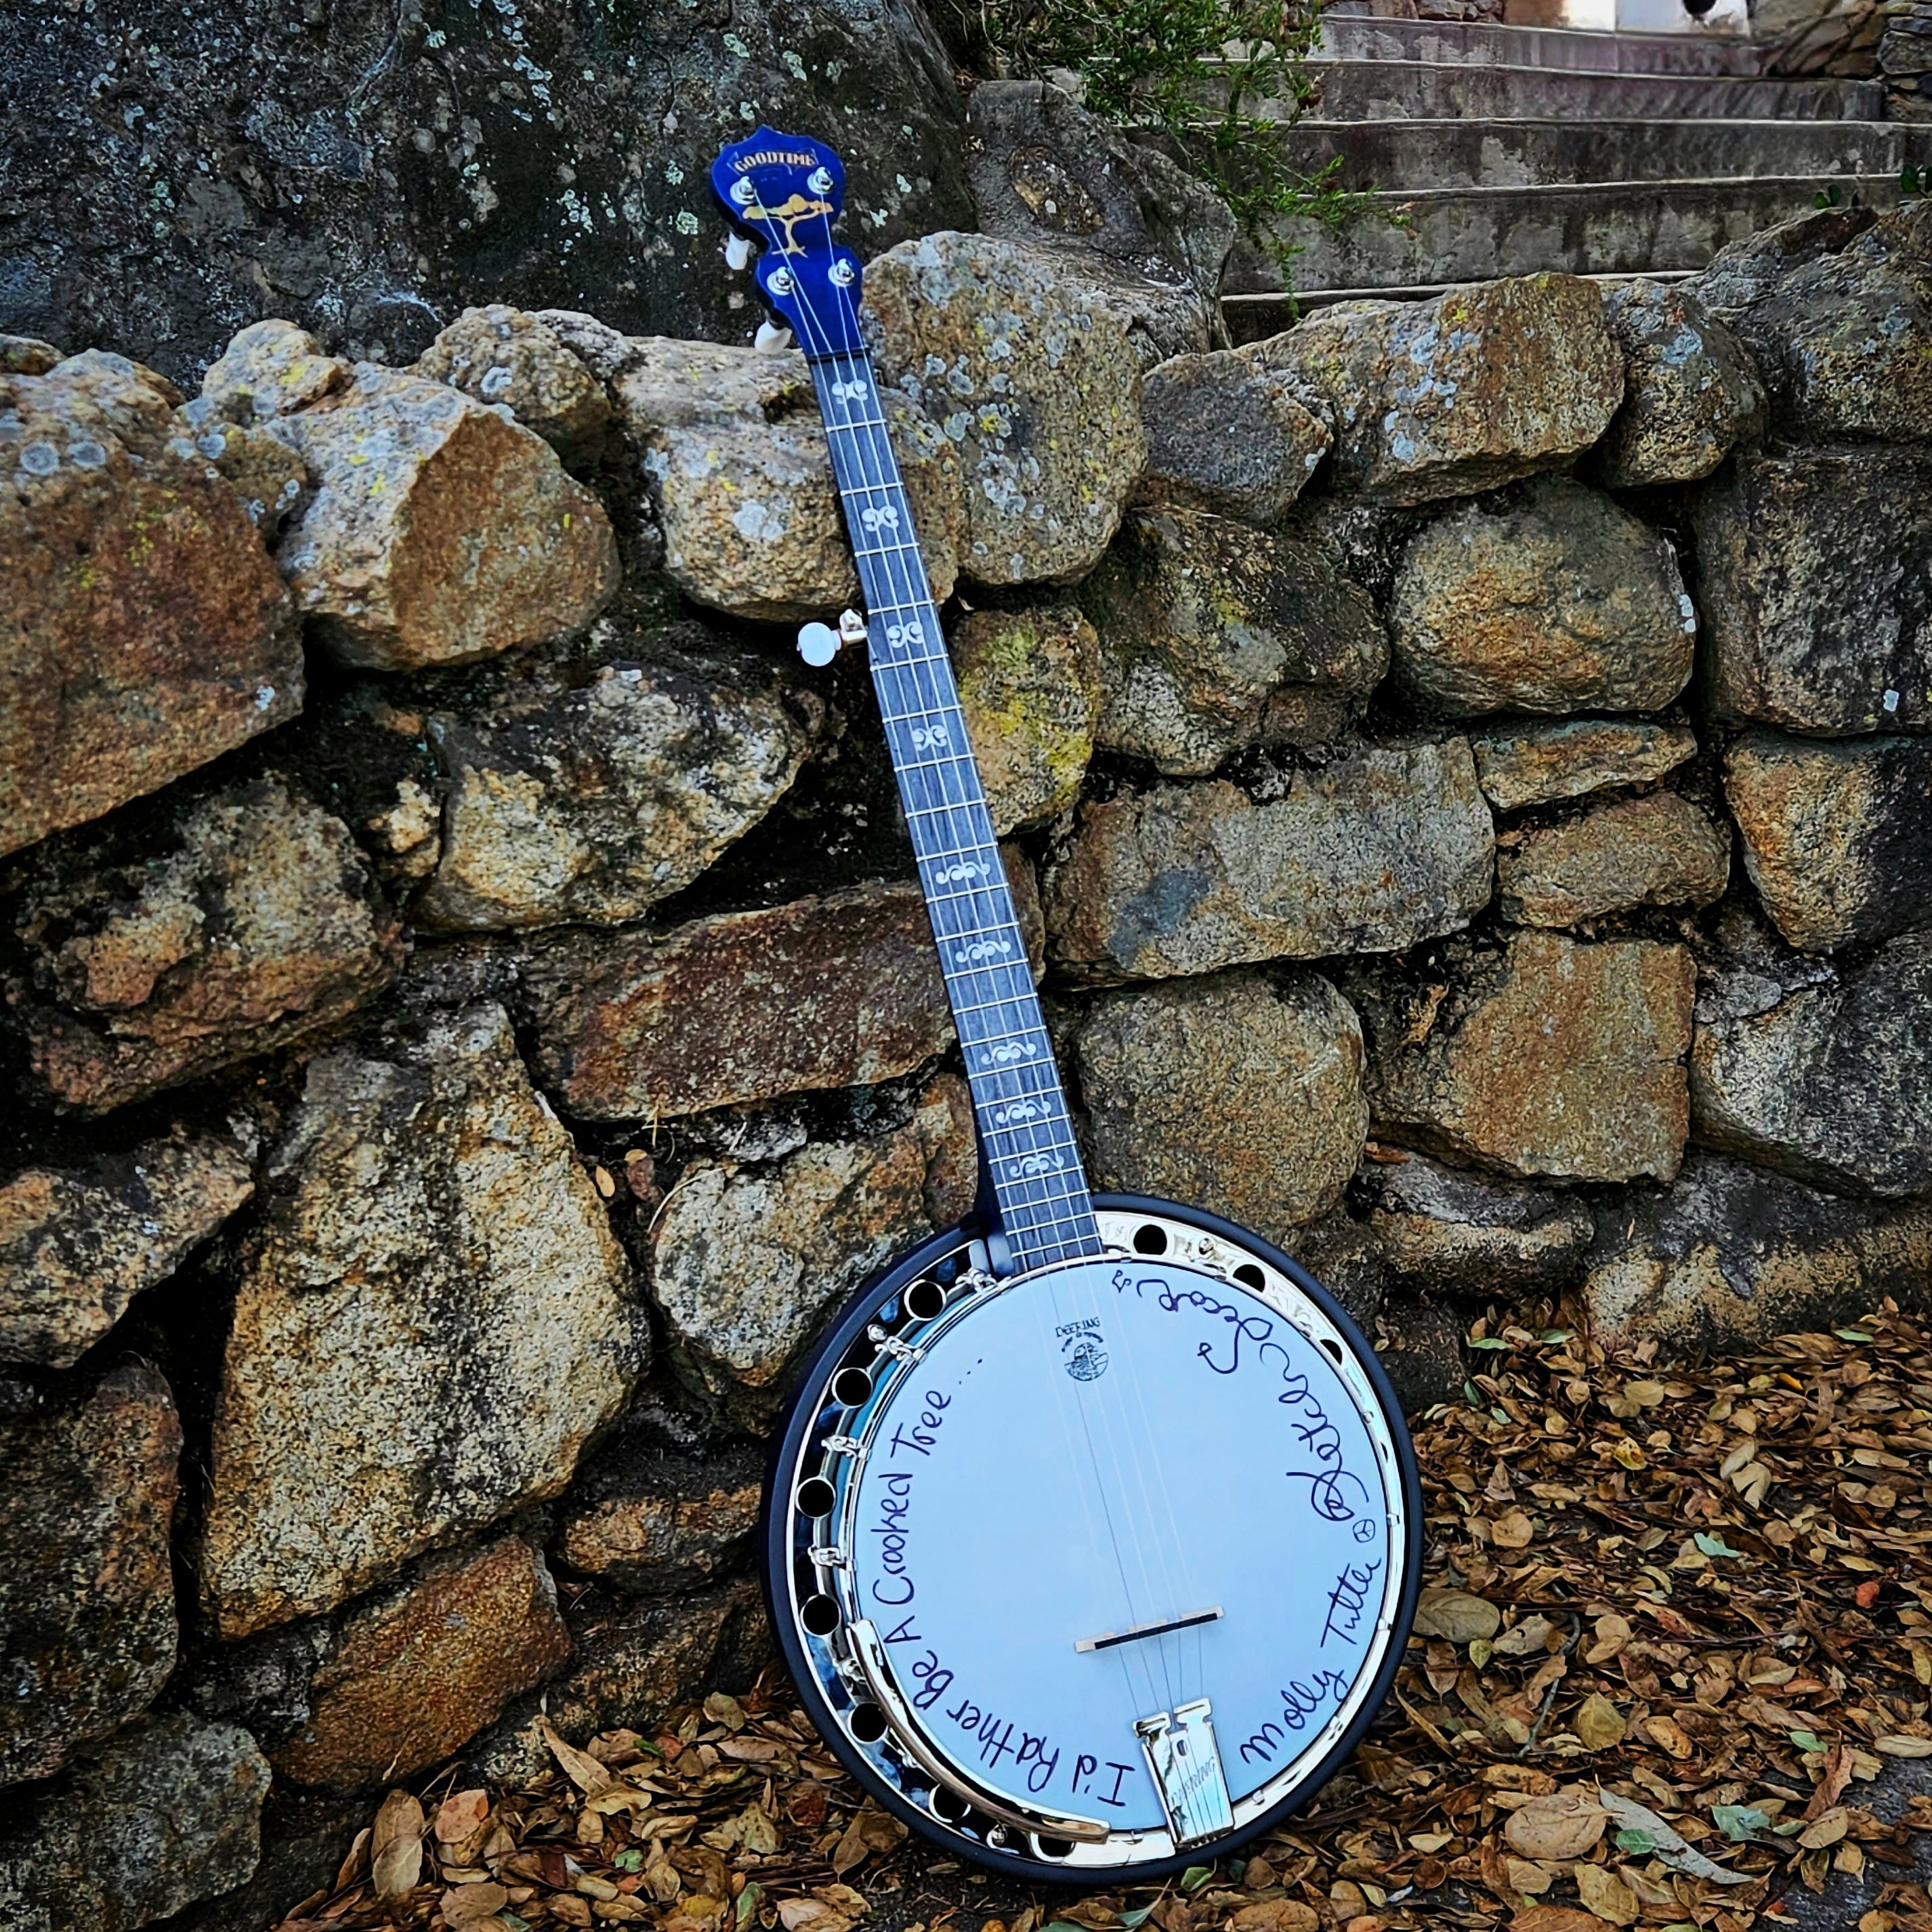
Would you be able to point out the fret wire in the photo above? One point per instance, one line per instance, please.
(1057, 1185)
(950, 761)
(1080, 1223)
(985, 1007)
(1063, 1220)
(996, 919)
(1058, 1128)
(933, 810)
(1034, 1160)
(964, 892)
(913, 718)
(969, 796)
(1037, 1216)
(1016, 964)
(1021, 1092)
(1027, 1096)
(1042, 1138)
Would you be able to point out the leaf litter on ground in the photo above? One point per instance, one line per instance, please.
(1676, 1616)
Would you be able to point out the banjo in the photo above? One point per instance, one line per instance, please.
(1092, 1538)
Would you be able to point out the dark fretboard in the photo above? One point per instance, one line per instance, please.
(1026, 1137)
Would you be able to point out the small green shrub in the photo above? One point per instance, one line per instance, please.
(1197, 73)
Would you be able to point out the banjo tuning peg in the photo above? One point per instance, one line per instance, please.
(818, 645)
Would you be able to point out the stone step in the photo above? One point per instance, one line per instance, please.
(1358, 38)
(1250, 317)
(1466, 234)
(1465, 154)
(1387, 90)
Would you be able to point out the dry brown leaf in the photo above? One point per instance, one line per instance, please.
(471, 1904)
(810, 1915)
(1827, 1828)
(395, 1845)
(582, 1769)
(661, 1878)
(1904, 1747)
(1564, 1825)
(699, 1913)
(1671, 1735)
(1457, 1616)
(722, 1709)
(1276, 1914)
(461, 1816)
(1530, 1638)
(1559, 1918)
(1514, 1530)
(1599, 1724)
(751, 1750)
(356, 1864)
(870, 1831)
(1831, 1786)
(1606, 1894)
(1613, 1633)
(750, 1830)
(1522, 1876)
(621, 1796)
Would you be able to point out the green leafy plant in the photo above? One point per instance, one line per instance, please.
(1213, 80)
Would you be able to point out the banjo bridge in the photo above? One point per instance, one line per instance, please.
(1160, 1627)
(1186, 1763)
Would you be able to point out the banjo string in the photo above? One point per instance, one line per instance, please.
(899, 573)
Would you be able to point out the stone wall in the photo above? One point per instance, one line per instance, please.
(1463, 766)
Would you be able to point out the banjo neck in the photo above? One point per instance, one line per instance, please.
(1027, 1150)
(787, 190)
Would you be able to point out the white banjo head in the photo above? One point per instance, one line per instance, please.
(1099, 1569)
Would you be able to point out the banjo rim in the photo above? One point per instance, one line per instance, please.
(776, 1555)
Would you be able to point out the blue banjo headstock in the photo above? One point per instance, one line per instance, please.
(787, 190)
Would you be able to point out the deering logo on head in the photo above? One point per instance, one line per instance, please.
(1082, 1344)
(773, 157)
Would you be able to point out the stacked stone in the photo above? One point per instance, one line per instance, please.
(1905, 60)
(475, 1016)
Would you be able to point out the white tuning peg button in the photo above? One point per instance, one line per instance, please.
(818, 645)
(738, 252)
(770, 339)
